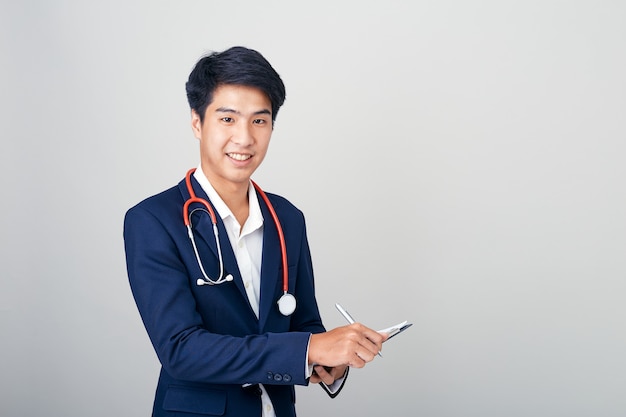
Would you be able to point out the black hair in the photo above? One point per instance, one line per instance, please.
(236, 66)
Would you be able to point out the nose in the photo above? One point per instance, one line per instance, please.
(243, 135)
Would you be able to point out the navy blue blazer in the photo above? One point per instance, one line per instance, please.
(207, 338)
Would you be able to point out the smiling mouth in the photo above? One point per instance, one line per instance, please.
(239, 156)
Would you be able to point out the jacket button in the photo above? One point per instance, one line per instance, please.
(287, 378)
(278, 377)
(270, 376)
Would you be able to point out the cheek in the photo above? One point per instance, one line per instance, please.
(212, 142)
(261, 153)
(264, 144)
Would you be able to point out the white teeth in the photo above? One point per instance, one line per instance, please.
(239, 156)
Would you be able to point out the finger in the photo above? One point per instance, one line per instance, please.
(364, 355)
(385, 336)
(324, 375)
(338, 372)
(368, 349)
(360, 357)
(376, 339)
(373, 336)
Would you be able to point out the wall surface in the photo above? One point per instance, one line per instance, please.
(460, 164)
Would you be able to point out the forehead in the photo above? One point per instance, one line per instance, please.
(240, 96)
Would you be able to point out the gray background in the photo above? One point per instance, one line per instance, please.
(460, 163)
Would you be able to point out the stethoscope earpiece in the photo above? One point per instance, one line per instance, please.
(200, 282)
(287, 302)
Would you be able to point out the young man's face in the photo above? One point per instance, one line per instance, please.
(234, 135)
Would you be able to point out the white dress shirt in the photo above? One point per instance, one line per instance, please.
(247, 244)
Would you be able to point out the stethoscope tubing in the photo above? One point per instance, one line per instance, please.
(281, 236)
(287, 302)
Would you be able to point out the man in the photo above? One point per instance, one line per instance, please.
(209, 301)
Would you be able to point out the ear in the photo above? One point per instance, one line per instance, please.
(196, 124)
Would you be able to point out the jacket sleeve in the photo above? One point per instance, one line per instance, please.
(159, 282)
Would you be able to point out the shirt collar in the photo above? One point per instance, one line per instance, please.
(255, 217)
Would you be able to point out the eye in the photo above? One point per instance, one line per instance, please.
(227, 119)
(259, 121)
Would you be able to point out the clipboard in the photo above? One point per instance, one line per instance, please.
(396, 330)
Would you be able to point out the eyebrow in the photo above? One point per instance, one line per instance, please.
(229, 110)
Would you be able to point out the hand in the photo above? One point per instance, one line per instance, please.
(353, 345)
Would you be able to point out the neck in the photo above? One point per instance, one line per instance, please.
(235, 200)
(234, 195)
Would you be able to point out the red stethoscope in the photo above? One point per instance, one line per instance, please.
(287, 302)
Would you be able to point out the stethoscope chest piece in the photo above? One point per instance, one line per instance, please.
(287, 304)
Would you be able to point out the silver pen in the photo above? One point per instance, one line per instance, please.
(349, 318)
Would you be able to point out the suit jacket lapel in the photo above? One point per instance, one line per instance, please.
(203, 232)
(271, 266)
